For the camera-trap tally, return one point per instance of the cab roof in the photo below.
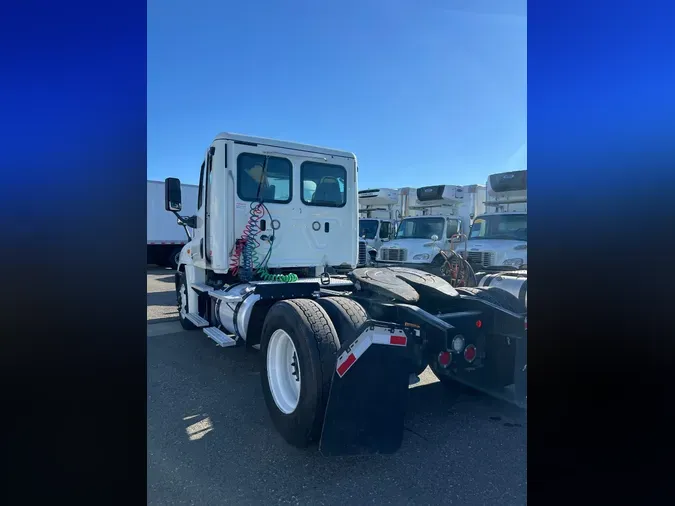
(284, 144)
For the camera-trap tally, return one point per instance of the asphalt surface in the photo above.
(161, 294)
(211, 442)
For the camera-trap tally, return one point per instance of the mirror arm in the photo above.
(182, 220)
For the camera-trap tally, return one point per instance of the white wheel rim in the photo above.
(176, 258)
(283, 371)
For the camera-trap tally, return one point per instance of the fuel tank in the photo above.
(235, 316)
(514, 282)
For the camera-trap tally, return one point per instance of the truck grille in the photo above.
(482, 258)
(362, 253)
(394, 254)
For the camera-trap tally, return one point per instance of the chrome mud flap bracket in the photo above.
(369, 392)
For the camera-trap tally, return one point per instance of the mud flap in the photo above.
(369, 393)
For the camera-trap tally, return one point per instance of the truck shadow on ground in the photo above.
(205, 408)
(156, 269)
(167, 279)
(436, 400)
(161, 299)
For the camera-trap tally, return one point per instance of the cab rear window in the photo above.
(266, 178)
(323, 184)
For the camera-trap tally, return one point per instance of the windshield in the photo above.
(500, 226)
(420, 228)
(367, 228)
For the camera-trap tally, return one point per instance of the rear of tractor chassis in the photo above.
(351, 393)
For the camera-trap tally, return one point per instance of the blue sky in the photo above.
(424, 92)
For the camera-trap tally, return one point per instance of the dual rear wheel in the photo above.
(299, 344)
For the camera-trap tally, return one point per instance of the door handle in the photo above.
(201, 248)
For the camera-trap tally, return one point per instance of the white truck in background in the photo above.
(444, 210)
(381, 210)
(498, 237)
(165, 237)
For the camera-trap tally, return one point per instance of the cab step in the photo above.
(220, 337)
(201, 287)
(197, 320)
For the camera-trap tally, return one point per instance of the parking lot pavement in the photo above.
(210, 440)
(161, 294)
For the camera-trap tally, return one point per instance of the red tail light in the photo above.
(470, 353)
(444, 358)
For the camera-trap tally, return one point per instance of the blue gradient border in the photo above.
(73, 130)
(601, 126)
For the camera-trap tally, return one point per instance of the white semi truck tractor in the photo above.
(337, 352)
(497, 247)
(379, 209)
(498, 237)
(445, 220)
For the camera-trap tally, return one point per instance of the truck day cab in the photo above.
(337, 353)
(448, 210)
(379, 209)
(498, 238)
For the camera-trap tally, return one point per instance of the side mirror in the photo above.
(434, 238)
(172, 195)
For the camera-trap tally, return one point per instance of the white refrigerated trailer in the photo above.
(165, 237)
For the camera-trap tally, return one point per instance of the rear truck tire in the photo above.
(347, 316)
(173, 258)
(298, 347)
(182, 301)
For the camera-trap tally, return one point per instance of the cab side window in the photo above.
(323, 184)
(264, 178)
(200, 195)
(385, 230)
(452, 228)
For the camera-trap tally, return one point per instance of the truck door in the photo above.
(197, 248)
(453, 226)
(332, 206)
(385, 233)
(208, 203)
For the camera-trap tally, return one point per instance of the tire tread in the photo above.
(324, 340)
